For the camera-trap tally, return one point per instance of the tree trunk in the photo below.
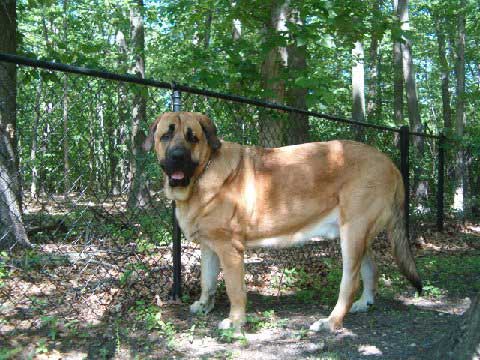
(138, 196)
(296, 96)
(444, 72)
(271, 129)
(358, 84)
(373, 84)
(461, 191)
(34, 149)
(373, 102)
(12, 230)
(464, 341)
(208, 29)
(398, 78)
(420, 186)
(118, 161)
(66, 163)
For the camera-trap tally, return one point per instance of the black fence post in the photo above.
(405, 169)
(177, 235)
(441, 182)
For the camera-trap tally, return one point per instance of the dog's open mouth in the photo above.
(178, 178)
(178, 175)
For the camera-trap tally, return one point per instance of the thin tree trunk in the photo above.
(91, 150)
(444, 72)
(34, 149)
(374, 67)
(12, 230)
(118, 162)
(358, 84)
(397, 79)
(372, 104)
(461, 191)
(420, 186)
(66, 163)
(42, 176)
(138, 196)
(208, 29)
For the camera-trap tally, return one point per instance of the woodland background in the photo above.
(78, 190)
(379, 62)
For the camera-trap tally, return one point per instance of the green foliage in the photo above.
(267, 320)
(183, 46)
(151, 317)
(4, 270)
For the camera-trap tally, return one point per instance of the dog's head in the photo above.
(183, 142)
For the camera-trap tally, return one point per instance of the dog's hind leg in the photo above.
(210, 268)
(352, 241)
(368, 271)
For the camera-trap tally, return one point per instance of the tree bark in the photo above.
(66, 163)
(461, 191)
(118, 162)
(464, 341)
(273, 83)
(373, 84)
(420, 186)
(296, 96)
(138, 196)
(34, 149)
(398, 78)
(12, 230)
(444, 72)
(373, 95)
(358, 85)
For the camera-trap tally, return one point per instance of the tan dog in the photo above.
(230, 197)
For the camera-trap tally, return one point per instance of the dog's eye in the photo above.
(191, 136)
(166, 136)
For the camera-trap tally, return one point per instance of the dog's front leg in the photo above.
(210, 268)
(231, 258)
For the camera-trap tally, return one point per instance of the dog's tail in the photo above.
(399, 240)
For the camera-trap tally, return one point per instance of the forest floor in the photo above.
(65, 302)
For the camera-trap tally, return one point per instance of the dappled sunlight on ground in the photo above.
(72, 301)
(442, 305)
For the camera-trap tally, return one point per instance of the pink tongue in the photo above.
(178, 175)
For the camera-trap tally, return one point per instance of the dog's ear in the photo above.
(148, 143)
(210, 132)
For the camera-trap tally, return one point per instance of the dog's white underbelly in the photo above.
(327, 227)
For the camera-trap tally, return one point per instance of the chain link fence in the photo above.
(101, 245)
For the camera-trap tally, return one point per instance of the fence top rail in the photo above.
(55, 66)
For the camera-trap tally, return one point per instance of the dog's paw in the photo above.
(199, 307)
(360, 306)
(225, 324)
(320, 325)
(325, 324)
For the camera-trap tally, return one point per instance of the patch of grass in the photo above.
(6, 354)
(50, 323)
(452, 272)
(442, 274)
(226, 335)
(309, 287)
(151, 316)
(4, 270)
(267, 320)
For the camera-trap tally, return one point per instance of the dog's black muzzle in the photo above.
(179, 166)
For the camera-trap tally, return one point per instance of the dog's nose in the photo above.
(178, 153)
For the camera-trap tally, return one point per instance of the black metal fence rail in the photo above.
(177, 89)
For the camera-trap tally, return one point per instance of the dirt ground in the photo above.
(70, 302)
